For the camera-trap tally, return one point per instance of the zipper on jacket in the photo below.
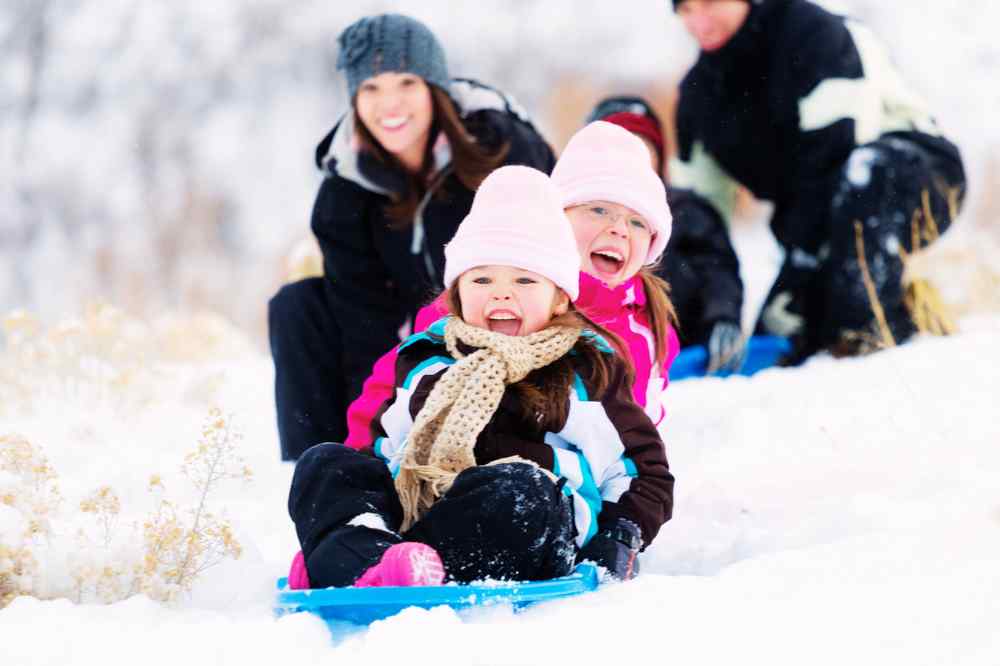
(417, 244)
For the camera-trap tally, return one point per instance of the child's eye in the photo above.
(408, 81)
(639, 224)
(600, 211)
(526, 280)
(481, 280)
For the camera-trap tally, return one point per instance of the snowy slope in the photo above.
(844, 512)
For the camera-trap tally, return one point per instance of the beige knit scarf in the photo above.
(441, 442)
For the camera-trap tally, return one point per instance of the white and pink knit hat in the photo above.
(517, 220)
(605, 162)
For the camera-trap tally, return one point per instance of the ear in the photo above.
(561, 304)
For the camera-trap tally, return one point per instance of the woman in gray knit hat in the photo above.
(401, 167)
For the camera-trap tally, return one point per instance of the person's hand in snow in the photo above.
(727, 349)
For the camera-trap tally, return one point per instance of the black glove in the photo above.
(727, 348)
(616, 549)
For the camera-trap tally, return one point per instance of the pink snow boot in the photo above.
(298, 577)
(405, 564)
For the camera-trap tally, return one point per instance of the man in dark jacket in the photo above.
(804, 108)
(699, 262)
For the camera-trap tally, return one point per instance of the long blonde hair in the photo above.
(660, 310)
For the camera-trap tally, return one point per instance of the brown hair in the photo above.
(660, 308)
(543, 396)
(470, 160)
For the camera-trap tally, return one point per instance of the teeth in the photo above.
(611, 254)
(502, 317)
(393, 123)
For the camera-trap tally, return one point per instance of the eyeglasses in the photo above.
(598, 213)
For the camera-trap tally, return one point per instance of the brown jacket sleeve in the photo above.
(640, 487)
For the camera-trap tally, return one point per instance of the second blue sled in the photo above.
(763, 351)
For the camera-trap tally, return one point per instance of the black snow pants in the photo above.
(507, 521)
(881, 185)
(310, 390)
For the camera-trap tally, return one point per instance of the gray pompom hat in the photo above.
(390, 43)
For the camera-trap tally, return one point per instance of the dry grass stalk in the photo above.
(883, 326)
(181, 545)
(927, 308)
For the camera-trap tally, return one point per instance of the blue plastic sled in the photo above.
(364, 605)
(763, 351)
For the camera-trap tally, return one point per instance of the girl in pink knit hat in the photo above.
(511, 446)
(617, 206)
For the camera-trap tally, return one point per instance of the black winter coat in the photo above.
(701, 267)
(780, 107)
(379, 275)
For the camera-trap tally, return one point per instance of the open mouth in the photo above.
(503, 322)
(608, 262)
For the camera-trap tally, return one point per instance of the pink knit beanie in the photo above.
(517, 220)
(608, 163)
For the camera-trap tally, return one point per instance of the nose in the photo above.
(619, 226)
(500, 292)
(390, 100)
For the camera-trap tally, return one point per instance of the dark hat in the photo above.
(390, 43)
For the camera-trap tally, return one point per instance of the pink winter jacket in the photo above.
(621, 310)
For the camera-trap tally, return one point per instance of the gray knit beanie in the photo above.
(390, 43)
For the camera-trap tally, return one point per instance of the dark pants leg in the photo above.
(507, 521)
(333, 485)
(309, 389)
(881, 186)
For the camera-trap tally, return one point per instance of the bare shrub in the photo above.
(105, 357)
(162, 555)
(29, 498)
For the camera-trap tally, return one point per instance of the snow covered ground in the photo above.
(843, 512)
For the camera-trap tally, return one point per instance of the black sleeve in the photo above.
(368, 313)
(701, 238)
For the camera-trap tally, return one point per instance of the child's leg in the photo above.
(346, 513)
(507, 521)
